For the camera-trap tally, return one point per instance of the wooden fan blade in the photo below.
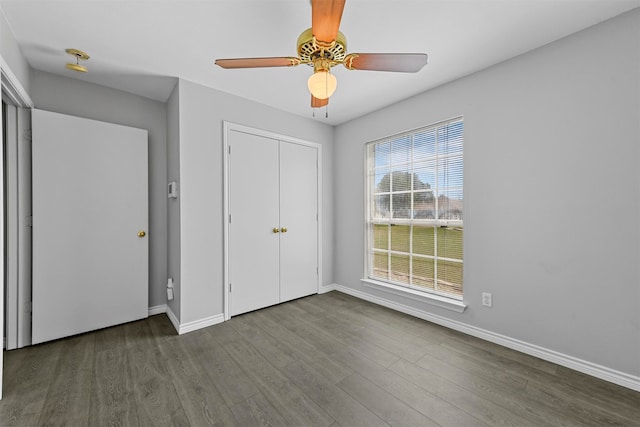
(325, 19)
(276, 61)
(317, 103)
(402, 62)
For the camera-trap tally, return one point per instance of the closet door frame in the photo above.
(228, 127)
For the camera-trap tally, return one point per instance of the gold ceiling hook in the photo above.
(79, 55)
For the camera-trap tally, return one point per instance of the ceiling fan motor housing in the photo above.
(311, 50)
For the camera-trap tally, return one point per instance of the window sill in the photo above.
(437, 300)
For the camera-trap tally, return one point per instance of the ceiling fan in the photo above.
(323, 46)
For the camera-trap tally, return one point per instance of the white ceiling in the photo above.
(142, 46)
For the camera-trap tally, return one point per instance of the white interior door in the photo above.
(253, 208)
(299, 216)
(90, 207)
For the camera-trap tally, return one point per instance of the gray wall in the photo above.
(202, 111)
(69, 96)
(552, 193)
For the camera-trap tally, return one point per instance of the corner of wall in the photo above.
(12, 61)
(173, 205)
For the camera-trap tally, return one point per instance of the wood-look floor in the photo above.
(325, 360)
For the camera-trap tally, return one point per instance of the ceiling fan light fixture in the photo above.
(322, 84)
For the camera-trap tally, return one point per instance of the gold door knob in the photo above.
(276, 230)
(141, 233)
(283, 229)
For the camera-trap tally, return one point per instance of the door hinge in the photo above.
(229, 287)
(229, 150)
(28, 221)
(317, 271)
(28, 307)
(26, 135)
(229, 218)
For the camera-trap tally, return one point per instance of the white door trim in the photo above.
(11, 227)
(227, 128)
(18, 231)
(24, 227)
(16, 93)
(13, 88)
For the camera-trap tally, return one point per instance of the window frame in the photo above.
(416, 292)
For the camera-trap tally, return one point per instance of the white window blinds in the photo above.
(415, 209)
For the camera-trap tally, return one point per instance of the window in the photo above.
(415, 209)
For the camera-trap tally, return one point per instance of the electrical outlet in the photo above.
(487, 299)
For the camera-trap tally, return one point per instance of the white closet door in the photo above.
(90, 203)
(253, 206)
(298, 214)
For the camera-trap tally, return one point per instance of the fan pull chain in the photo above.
(326, 91)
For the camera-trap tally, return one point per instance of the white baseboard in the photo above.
(185, 327)
(326, 288)
(586, 367)
(158, 309)
(199, 324)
